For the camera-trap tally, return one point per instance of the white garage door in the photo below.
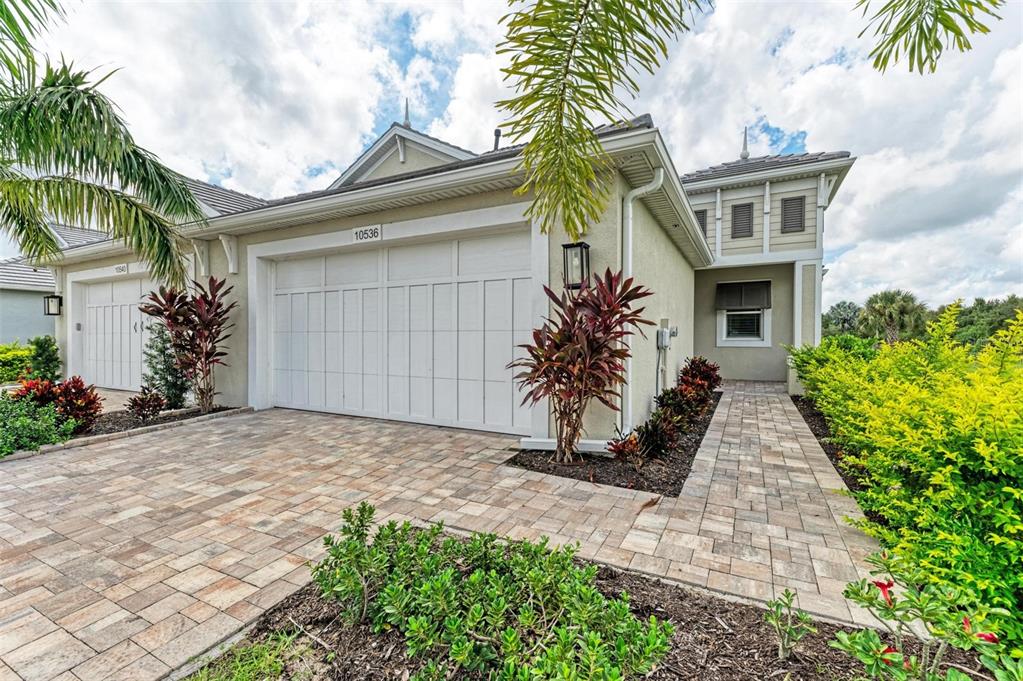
(115, 333)
(417, 333)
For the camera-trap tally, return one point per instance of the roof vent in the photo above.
(497, 138)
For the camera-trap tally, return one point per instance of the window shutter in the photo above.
(793, 214)
(701, 219)
(742, 220)
(747, 295)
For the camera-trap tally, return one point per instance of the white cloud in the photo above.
(255, 95)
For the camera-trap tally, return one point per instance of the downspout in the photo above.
(631, 196)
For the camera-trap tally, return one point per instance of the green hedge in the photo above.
(934, 430)
(26, 425)
(14, 358)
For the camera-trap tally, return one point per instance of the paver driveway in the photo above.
(125, 559)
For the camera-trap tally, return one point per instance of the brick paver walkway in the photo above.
(125, 559)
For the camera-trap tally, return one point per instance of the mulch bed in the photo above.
(715, 639)
(662, 476)
(121, 420)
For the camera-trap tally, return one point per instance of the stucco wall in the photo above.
(762, 364)
(21, 316)
(660, 266)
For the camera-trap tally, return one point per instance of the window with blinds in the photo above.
(742, 220)
(701, 219)
(744, 295)
(744, 325)
(793, 214)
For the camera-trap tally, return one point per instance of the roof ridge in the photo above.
(429, 136)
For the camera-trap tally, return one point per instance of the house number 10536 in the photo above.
(374, 233)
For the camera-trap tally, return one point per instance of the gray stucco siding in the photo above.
(21, 316)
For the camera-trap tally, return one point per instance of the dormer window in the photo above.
(701, 219)
(793, 214)
(742, 220)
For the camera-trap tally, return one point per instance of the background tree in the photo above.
(840, 318)
(981, 320)
(892, 314)
(573, 61)
(67, 156)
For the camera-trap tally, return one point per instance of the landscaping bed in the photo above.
(664, 475)
(121, 420)
(714, 640)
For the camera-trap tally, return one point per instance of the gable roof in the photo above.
(383, 146)
(17, 274)
(761, 163)
(69, 237)
(220, 200)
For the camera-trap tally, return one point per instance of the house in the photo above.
(23, 285)
(402, 290)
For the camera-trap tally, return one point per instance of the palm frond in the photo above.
(20, 22)
(921, 30)
(573, 61)
(73, 201)
(21, 217)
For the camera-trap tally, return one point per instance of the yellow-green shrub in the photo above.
(14, 359)
(935, 433)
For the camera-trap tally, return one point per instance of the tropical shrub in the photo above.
(660, 434)
(146, 405)
(511, 611)
(26, 425)
(162, 370)
(809, 359)
(72, 399)
(933, 430)
(14, 360)
(902, 602)
(700, 370)
(198, 324)
(579, 354)
(45, 361)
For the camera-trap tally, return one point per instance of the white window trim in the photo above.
(724, 342)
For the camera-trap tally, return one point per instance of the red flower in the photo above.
(885, 588)
(987, 636)
(887, 651)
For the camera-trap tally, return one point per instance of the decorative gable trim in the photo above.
(395, 140)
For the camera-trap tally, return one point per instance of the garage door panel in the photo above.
(429, 351)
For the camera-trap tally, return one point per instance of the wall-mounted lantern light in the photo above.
(577, 264)
(52, 305)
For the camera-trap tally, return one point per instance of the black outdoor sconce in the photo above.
(577, 264)
(52, 305)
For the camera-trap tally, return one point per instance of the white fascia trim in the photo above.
(677, 195)
(773, 258)
(396, 131)
(313, 209)
(840, 166)
(548, 444)
(724, 342)
(26, 287)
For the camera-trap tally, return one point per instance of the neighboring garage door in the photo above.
(417, 333)
(115, 333)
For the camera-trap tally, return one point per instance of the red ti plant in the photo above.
(579, 354)
(198, 324)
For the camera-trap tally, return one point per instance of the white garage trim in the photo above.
(262, 274)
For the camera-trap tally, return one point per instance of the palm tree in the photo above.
(892, 314)
(575, 60)
(67, 156)
(841, 318)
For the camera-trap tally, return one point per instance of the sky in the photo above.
(278, 98)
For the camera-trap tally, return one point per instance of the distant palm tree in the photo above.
(892, 314)
(841, 318)
(66, 156)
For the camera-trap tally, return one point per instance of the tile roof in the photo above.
(223, 201)
(77, 236)
(753, 165)
(15, 273)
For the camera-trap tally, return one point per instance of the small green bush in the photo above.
(162, 370)
(27, 425)
(514, 611)
(934, 432)
(14, 360)
(45, 358)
